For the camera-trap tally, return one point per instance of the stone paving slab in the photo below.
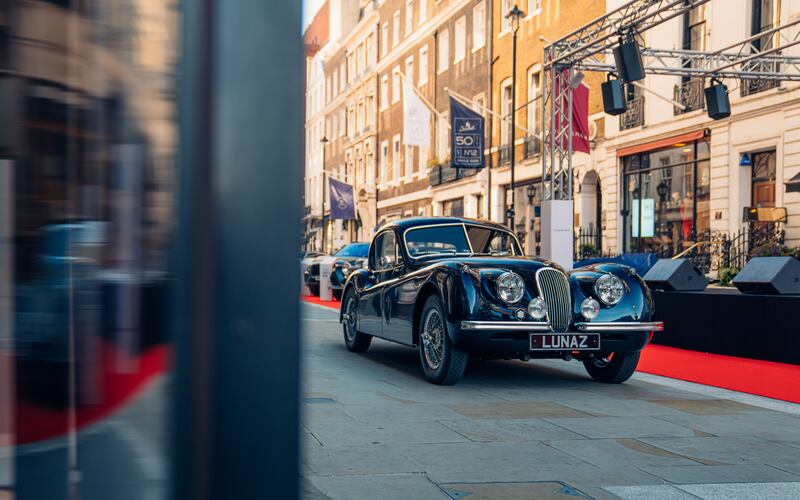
(744, 491)
(650, 492)
(706, 406)
(357, 460)
(350, 433)
(621, 427)
(514, 491)
(489, 431)
(495, 411)
(620, 453)
(721, 474)
(729, 449)
(380, 487)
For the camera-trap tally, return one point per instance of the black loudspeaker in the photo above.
(717, 102)
(628, 59)
(675, 275)
(770, 276)
(613, 97)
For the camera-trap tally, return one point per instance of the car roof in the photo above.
(412, 222)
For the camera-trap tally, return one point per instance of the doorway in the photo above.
(763, 176)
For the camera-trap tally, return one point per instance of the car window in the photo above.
(353, 250)
(492, 241)
(385, 252)
(437, 240)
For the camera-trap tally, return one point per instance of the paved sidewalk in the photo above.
(373, 428)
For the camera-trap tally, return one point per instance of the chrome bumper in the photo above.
(544, 326)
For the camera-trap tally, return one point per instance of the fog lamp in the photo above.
(537, 308)
(590, 309)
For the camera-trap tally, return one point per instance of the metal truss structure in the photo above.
(590, 47)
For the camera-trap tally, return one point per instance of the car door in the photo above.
(369, 305)
(399, 295)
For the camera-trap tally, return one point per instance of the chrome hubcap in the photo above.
(350, 318)
(432, 337)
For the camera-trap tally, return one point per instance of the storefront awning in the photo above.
(661, 143)
(793, 184)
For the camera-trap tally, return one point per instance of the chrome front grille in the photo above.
(554, 289)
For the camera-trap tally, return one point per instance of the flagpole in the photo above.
(422, 98)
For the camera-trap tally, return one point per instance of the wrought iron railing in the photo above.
(589, 244)
(754, 86)
(691, 95)
(533, 146)
(713, 251)
(444, 173)
(634, 116)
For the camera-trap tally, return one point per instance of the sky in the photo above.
(310, 7)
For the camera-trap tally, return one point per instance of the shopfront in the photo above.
(666, 194)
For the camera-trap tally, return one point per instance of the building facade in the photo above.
(669, 174)
(658, 178)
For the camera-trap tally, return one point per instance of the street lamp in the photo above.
(514, 15)
(531, 192)
(324, 141)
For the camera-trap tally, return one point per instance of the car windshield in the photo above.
(437, 240)
(354, 250)
(489, 241)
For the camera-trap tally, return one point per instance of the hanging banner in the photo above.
(466, 136)
(341, 200)
(580, 115)
(416, 119)
(580, 119)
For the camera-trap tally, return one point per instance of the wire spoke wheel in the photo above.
(433, 338)
(350, 317)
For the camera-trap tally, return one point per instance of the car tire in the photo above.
(443, 363)
(314, 289)
(619, 368)
(354, 340)
(337, 294)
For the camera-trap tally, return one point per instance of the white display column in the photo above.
(325, 269)
(557, 232)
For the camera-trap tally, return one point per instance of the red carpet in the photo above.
(762, 378)
(313, 299)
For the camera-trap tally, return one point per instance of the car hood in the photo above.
(520, 265)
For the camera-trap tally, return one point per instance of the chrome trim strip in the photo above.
(543, 326)
(507, 326)
(654, 326)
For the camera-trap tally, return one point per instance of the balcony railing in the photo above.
(691, 94)
(750, 86)
(634, 116)
(444, 173)
(504, 153)
(533, 146)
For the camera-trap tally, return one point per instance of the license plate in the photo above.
(565, 342)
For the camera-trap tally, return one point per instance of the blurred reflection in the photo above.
(87, 152)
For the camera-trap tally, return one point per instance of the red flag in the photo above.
(580, 119)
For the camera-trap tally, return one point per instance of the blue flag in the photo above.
(466, 136)
(341, 196)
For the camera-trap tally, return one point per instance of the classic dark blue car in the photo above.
(457, 288)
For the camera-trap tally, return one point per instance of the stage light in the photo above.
(628, 58)
(717, 101)
(613, 97)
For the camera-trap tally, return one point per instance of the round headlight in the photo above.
(510, 288)
(609, 289)
(590, 308)
(537, 308)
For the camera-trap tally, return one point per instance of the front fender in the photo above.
(356, 280)
(636, 305)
